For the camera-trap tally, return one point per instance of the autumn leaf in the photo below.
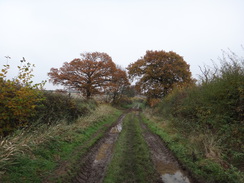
(94, 73)
(158, 72)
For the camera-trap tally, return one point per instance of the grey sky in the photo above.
(50, 32)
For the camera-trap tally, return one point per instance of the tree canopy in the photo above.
(93, 73)
(158, 72)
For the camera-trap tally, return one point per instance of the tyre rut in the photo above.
(164, 161)
(167, 169)
(93, 165)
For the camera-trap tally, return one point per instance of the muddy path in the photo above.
(93, 165)
(164, 161)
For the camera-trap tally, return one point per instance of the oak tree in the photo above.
(158, 72)
(119, 83)
(93, 73)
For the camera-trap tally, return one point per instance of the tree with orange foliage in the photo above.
(119, 83)
(158, 72)
(95, 73)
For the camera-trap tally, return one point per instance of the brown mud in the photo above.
(164, 161)
(93, 165)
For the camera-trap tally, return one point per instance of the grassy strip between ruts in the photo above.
(38, 162)
(202, 168)
(131, 160)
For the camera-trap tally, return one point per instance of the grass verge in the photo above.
(49, 154)
(131, 160)
(202, 167)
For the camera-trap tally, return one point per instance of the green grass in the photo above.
(205, 122)
(200, 166)
(214, 107)
(66, 144)
(29, 170)
(131, 160)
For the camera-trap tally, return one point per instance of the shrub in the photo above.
(215, 105)
(57, 106)
(18, 98)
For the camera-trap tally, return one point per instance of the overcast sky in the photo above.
(50, 32)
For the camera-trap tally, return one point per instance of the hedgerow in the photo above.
(18, 98)
(214, 106)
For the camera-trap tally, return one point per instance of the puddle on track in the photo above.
(170, 173)
(164, 162)
(107, 145)
(177, 177)
(117, 128)
(95, 163)
(105, 149)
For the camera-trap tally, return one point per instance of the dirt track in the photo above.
(94, 164)
(164, 161)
